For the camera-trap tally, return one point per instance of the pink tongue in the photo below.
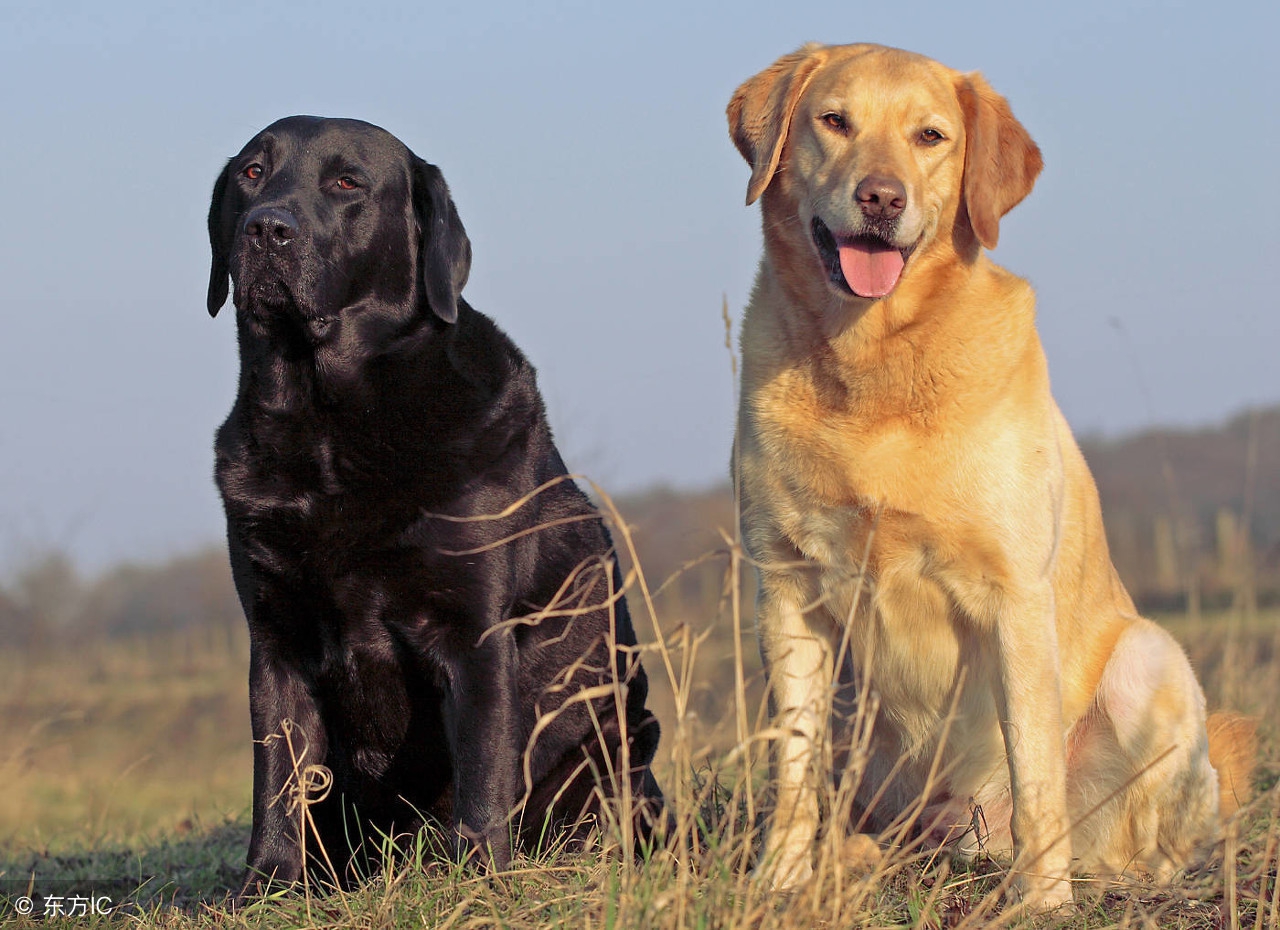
(870, 269)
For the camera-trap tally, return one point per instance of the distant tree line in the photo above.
(1193, 516)
(49, 605)
(1193, 521)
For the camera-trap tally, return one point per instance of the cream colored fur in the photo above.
(905, 453)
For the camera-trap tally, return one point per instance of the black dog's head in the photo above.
(318, 221)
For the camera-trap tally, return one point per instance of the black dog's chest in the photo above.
(304, 498)
(344, 536)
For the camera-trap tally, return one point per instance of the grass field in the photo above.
(126, 773)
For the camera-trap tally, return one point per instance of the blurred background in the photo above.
(587, 151)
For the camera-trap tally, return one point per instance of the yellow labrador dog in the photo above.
(923, 520)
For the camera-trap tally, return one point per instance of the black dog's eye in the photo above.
(253, 172)
(930, 136)
(348, 183)
(835, 121)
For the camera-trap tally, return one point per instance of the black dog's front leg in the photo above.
(281, 753)
(484, 736)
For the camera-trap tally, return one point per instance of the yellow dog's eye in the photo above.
(931, 136)
(835, 121)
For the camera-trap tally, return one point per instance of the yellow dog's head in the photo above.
(873, 161)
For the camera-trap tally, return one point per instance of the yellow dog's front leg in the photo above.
(798, 655)
(1028, 693)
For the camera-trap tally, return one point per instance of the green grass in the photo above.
(127, 769)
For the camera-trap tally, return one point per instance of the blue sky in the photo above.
(587, 151)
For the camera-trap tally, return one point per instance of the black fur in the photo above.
(377, 415)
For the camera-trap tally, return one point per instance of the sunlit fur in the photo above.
(921, 511)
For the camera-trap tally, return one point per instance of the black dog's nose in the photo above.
(880, 196)
(270, 227)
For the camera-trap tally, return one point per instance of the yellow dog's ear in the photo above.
(1001, 161)
(760, 112)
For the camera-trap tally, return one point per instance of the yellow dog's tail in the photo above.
(1233, 749)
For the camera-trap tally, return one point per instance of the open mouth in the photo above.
(865, 265)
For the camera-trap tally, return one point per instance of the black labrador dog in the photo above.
(435, 609)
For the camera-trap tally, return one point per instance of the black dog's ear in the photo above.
(444, 251)
(220, 243)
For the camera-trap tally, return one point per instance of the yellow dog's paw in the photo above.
(1040, 895)
(860, 854)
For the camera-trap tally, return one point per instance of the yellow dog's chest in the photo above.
(835, 456)
(869, 504)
